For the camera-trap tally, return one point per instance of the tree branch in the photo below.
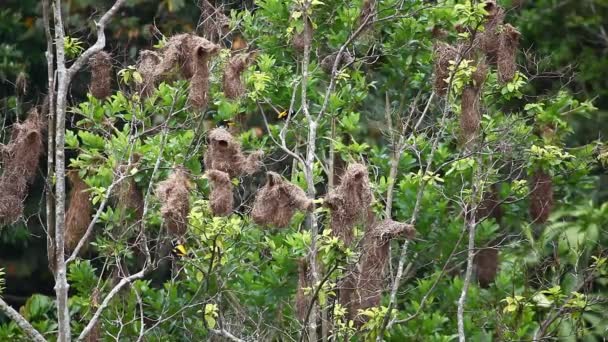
(27, 328)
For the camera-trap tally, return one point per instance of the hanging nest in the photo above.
(78, 215)
(277, 201)
(489, 40)
(224, 154)
(173, 193)
(443, 54)
(507, 53)
(147, 65)
(131, 198)
(490, 205)
(220, 199)
(486, 266)
(199, 83)
(349, 202)
(232, 82)
(368, 13)
(20, 159)
(301, 39)
(184, 50)
(213, 22)
(95, 333)
(21, 84)
(370, 279)
(541, 196)
(470, 115)
(328, 62)
(101, 75)
(304, 281)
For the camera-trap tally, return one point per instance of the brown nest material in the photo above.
(21, 84)
(232, 81)
(20, 159)
(370, 277)
(148, 63)
(277, 201)
(507, 53)
(101, 75)
(328, 62)
(224, 154)
(490, 205)
(349, 202)
(470, 114)
(486, 266)
(95, 333)
(304, 281)
(174, 193)
(199, 83)
(301, 39)
(184, 50)
(368, 12)
(220, 199)
(443, 54)
(489, 40)
(78, 215)
(214, 23)
(131, 198)
(541, 196)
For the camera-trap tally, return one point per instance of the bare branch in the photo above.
(27, 328)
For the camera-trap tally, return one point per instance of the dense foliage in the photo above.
(525, 190)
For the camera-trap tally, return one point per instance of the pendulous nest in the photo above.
(541, 196)
(147, 65)
(129, 196)
(224, 154)
(221, 200)
(101, 75)
(349, 202)
(304, 281)
(80, 210)
(368, 12)
(486, 266)
(199, 83)
(443, 54)
(277, 201)
(489, 40)
(490, 205)
(20, 159)
(507, 53)
(232, 81)
(214, 23)
(328, 62)
(173, 194)
(370, 276)
(470, 114)
(301, 39)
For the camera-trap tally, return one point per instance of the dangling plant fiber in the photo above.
(199, 83)
(368, 12)
(304, 282)
(328, 62)
(101, 75)
(224, 154)
(20, 159)
(301, 39)
(174, 193)
(277, 201)
(349, 202)
(214, 24)
(221, 200)
(507, 53)
(78, 215)
(489, 39)
(541, 196)
(370, 280)
(182, 50)
(232, 82)
(443, 54)
(490, 205)
(486, 266)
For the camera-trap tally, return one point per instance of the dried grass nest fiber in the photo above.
(20, 159)
(173, 193)
(101, 75)
(277, 201)
(486, 266)
(507, 53)
(370, 274)
(304, 281)
(78, 215)
(470, 114)
(224, 154)
(221, 200)
(349, 202)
